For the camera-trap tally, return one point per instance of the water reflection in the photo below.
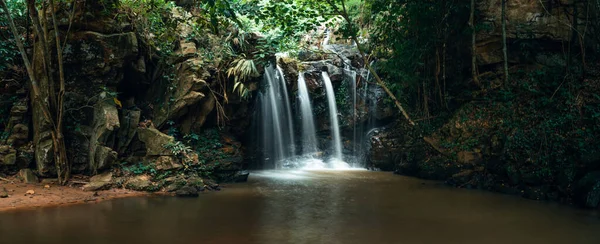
(310, 207)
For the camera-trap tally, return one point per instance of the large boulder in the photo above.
(27, 176)
(155, 141)
(140, 183)
(106, 121)
(8, 155)
(587, 190)
(99, 182)
(187, 191)
(129, 123)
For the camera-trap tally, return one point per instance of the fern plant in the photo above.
(242, 70)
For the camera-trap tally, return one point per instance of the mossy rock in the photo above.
(587, 192)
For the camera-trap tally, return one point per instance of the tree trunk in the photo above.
(38, 96)
(504, 46)
(62, 155)
(473, 45)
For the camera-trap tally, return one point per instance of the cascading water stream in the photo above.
(309, 133)
(325, 43)
(277, 128)
(333, 118)
(286, 100)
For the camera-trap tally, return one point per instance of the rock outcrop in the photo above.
(547, 23)
(130, 108)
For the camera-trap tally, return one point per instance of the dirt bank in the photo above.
(50, 194)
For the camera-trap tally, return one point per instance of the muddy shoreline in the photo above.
(22, 196)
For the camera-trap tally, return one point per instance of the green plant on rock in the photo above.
(178, 148)
(139, 168)
(9, 54)
(242, 70)
(154, 20)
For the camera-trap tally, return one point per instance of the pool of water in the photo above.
(310, 207)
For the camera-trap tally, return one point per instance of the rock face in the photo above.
(95, 59)
(126, 107)
(15, 150)
(527, 20)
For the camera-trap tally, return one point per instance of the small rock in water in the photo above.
(241, 176)
(187, 191)
(47, 186)
(211, 185)
(3, 193)
(30, 192)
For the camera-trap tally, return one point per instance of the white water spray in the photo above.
(333, 117)
(309, 133)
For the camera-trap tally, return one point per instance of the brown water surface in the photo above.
(277, 207)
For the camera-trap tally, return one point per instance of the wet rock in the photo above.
(3, 193)
(196, 182)
(8, 155)
(106, 121)
(25, 157)
(241, 176)
(10, 158)
(198, 115)
(139, 183)
(211, 185)
(19, 135)
(174, 183)
(129, 121)
(461, 177)
(472, 158)
(172, 187)
(386, 149)
(99, 182)
(587, 192)
(309, 56)
(187, 191)
(104, 157)
(27, 176)
(155, 141)
(166, 163)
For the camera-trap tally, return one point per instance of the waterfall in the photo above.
(286, 100)
(309, 138)
(277, 128)
(333, 117)
(326, 40)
